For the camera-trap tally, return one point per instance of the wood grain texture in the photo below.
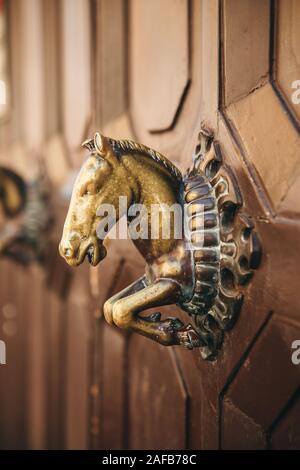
(174, 143)
(161, 395)
(287, 54)
(76, 55)
(76, 363)
(110, 61)
(114, 363)
(56, 160)
(159, 60)
(261, 123)
(51, 23)
(246, 51)
(239, 431)
(12, 384)
(113, 390)
(272, 389)
(32, 84)
(286, 435)
(71, 380)
(36, 360)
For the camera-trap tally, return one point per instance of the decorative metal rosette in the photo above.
(226, 248)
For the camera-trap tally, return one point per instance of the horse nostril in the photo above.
(68, 252)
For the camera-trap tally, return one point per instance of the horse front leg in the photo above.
(136, 286)
(171, 331)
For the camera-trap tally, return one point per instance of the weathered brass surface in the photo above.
(231, 250)
(25, 237)
(205, 282)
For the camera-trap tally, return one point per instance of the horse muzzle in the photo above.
(75, 255)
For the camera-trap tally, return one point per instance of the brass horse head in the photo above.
(125, 168)
(112, 170)
(97, 183)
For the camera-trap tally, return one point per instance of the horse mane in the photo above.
(121, 147)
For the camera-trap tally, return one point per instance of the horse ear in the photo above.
(99, 141)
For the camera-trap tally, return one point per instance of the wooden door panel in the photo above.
(258, 124)
(262, 388)
(159, 59)
(286, 434)
(193, 384)
(110, 60)
(12, 332)
(258, 135)
(107, 358)
(159, 71)
(241, 105)
(113, 390)
(164, 73)
(287, 51)
(250, 102)
(158, 398)
(114, 365)
(242, 43)
(283, 242)
(239, 431)
(114, 357)
(55, 325)
(76, 362)
(37, 313)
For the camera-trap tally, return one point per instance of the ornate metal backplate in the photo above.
(229, 248)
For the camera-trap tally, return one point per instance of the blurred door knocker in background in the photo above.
(206, 282)
(25, 237)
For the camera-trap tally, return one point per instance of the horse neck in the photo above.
(153, 184)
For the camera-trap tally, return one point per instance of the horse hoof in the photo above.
(184, 340)
(188, 338)
(174, 324)
(153, 318)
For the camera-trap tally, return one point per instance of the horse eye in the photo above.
(90, 190)
(86, 192)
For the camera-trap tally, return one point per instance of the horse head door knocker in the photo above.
(202, 270)
(13, 196)
(25, 237)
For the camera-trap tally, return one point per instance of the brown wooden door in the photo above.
(155, 71)
(229, 65)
